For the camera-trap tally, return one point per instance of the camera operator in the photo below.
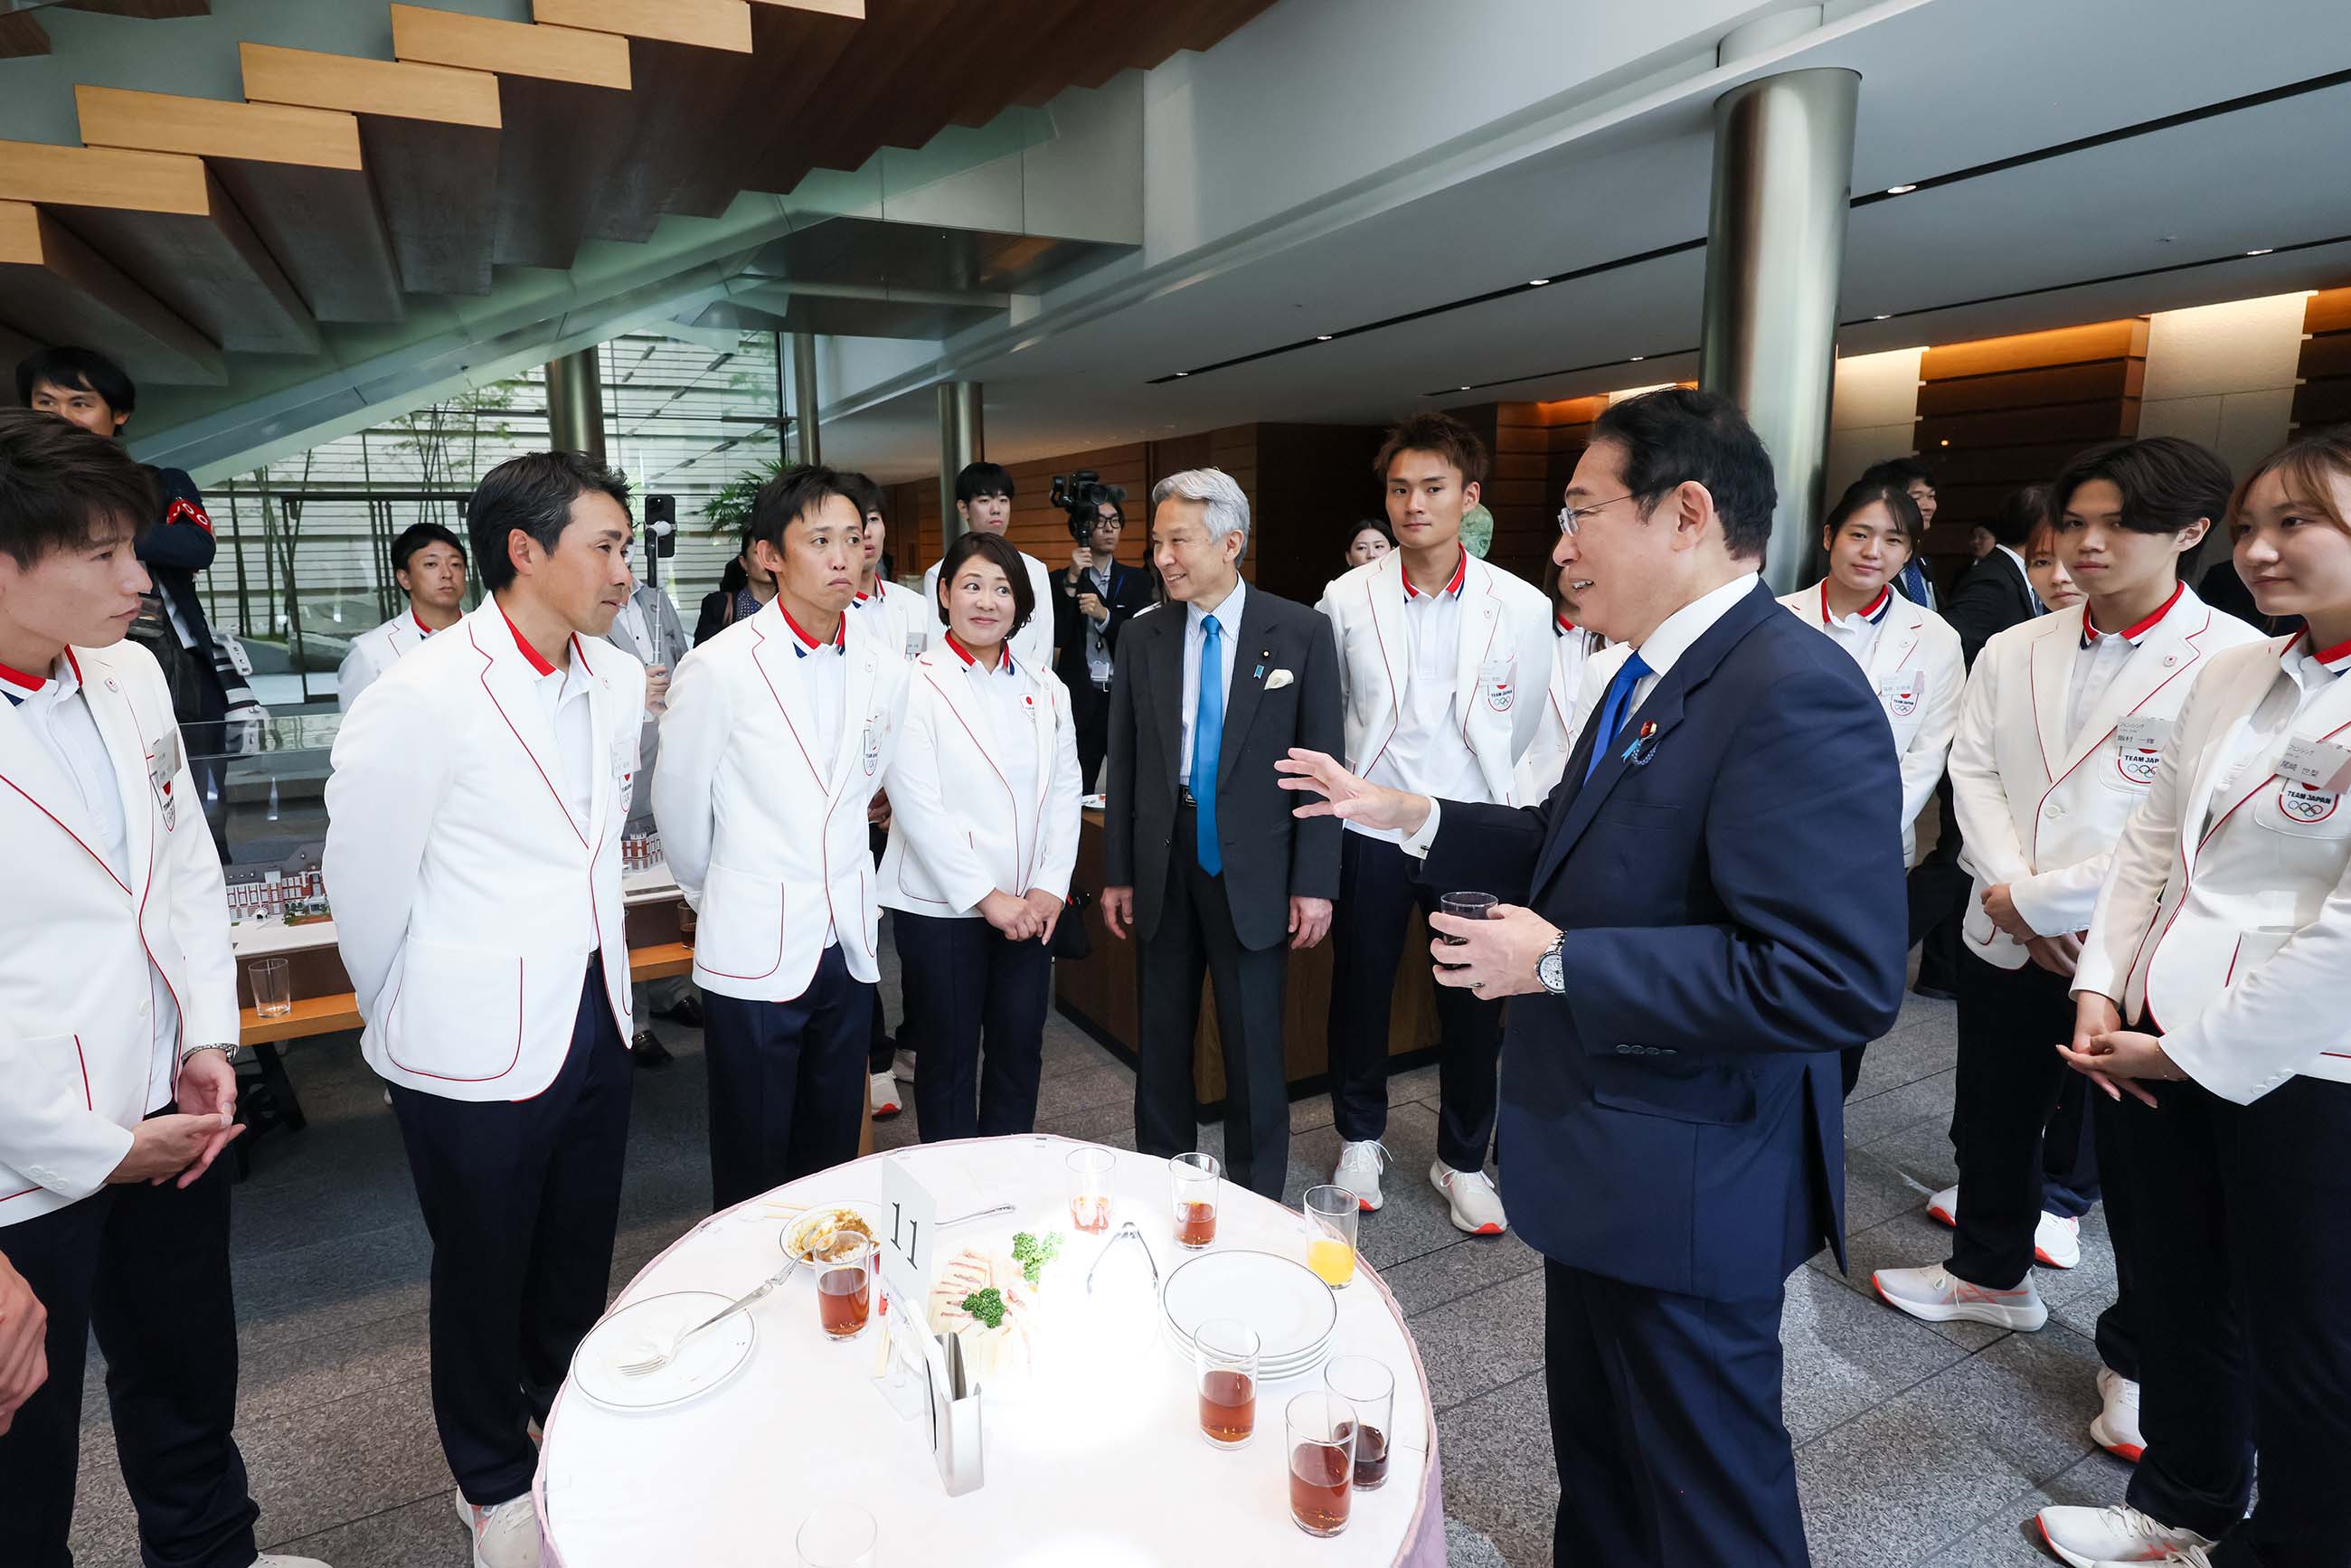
(1092, 600)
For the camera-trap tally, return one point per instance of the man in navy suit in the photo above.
(1705, 911)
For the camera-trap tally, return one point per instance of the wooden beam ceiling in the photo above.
(55, 289)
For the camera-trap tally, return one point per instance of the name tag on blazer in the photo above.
(1900, 693)
(2317, 764)
(628, 754)
(1495, 684)
(2139, 732)
(162, 766)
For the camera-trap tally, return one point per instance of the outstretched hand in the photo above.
(1345, 796)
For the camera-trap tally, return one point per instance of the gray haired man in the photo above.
(1204, 860)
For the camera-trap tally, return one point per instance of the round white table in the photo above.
(1106, 1471)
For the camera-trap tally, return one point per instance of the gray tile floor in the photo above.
(1916, 1444)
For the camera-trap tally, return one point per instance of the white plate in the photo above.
(1267, 1371)
(642, 1329)
(1293, 1311)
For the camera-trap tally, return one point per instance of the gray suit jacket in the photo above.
(670, 644)
(1268, 854)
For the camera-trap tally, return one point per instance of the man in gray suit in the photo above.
(648, 627)
(1204, 860)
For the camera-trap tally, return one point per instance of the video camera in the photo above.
(1081, 496)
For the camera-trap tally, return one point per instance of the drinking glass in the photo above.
(1332, 1213)
(1088, 1194)
(1321, 1437)
(1225, 1356)
(836, 1535)
(1370, 1387)
(845, 1291)
(1194, 1181)
(1467, 906)
(273, 988)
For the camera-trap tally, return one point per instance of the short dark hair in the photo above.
(1677, 435)
(415, 537)
(997, 549)
(869, 497)
(60, 487)
(1378, 526)
(2166, 484)
(1893, 493)
(798, 493)
(1430, 431)
(532, 493)
(1900, 472)
(2025, 510)
(979, 479)
(86, 369)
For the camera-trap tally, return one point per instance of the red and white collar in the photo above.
(2136, 630)
(538, 666)
(1460, 575)
(421, 629)
(20, 686)
(2334, 661)
(1003, 655)
(806, 643)
(1562, 627)
(1874, 612)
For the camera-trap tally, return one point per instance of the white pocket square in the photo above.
(1279, 679)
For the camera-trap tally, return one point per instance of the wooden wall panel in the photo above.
(2325, 396)
(1314, 484)
(1535, 447)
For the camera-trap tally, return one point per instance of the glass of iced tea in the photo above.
(1193, 1182)
(1332, 1213)
(1322, 1437)
(844, 1290)
(1370, 1387)
(1089, 1190)
(1466, 906)
(1224, 1355)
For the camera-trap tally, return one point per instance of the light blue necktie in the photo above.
(1614, 708)
(1209, 741)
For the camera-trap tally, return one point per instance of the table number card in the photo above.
(910, 1212)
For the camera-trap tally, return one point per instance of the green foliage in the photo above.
(1033, 1253)
(985, 1307)
(727, 511)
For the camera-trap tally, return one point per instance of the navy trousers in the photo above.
(787, 1080)
(147, 1268)
(978, 1001)
(1665, 1425)
(522, 1199)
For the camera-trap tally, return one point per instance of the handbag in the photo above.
(1069, 939)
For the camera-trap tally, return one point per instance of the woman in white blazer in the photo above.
(1910, 654)
(1544, 761)
(983, 833)
(2063, 723)
(2212, 988)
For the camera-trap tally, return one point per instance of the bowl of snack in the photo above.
(831, 1230)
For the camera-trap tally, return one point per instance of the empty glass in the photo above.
(1088, 1194)
(836, 1535)
(1192, 1184)
(273, 988)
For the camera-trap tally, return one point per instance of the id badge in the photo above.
(627, 755)
(915, 642)
(2140, 732)
(2317, 764)
(161, 769)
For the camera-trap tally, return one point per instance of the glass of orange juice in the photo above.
(1331, 1216)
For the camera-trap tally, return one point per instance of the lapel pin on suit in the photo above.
(1644, 747)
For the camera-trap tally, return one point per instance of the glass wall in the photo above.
(304, 564)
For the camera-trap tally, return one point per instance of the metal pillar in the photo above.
(805, 448)
(961, 441)
(575, 404)
(1775, 250)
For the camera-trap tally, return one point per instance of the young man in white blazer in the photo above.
(1910, 654)
(1443, 665)
(428, 562)
(2063, 723)
(984, 502)
(780, 731)
(473, 854)
(118, 1008)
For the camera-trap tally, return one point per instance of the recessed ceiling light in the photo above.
(2263, 251)
(1899, 190)
(1321, 337)
(1946, 441)
(1181, 373)
(1465, 389)
(1636, 359)
(1887, 315)
(1537, 282)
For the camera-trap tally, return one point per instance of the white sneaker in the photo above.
(506, 1535)
(881, 1095)
(2094, 1537)
(1938, 1296)
(902, 1064)
(1477, 1206)
(2057, 1240)
(278, 1560)
(1360, 1163)
(2114, 1427)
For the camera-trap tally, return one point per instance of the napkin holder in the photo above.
(957, 1439)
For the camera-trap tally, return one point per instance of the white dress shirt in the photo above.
(1229, 634)
(1428, 754)
(563, 696)
(1661, 651)
(58, 715)
(2103, 655)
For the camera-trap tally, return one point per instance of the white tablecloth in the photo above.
(1112, 1477)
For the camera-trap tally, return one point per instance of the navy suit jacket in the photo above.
(1735, 917)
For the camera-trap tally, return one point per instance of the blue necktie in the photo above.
(1209, 742)
(1614, 708)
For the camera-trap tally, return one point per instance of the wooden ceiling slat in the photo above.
(893, 55)
(429, 135)
(164, 219)
(797, 49)
(985, 93)
(701, 24)
(294, 174)
(1100, 29)
(21, 36)
(572, 55)
(55, 289)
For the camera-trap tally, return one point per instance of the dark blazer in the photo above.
(173, 551)
(1130, 590)
(1734, 917)
(1268, 854)
(1992, 595)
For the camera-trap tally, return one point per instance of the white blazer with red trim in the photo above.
(1545, 757)
(1032, 645)
(76, 1026)
(1502, 661)
(766, 836)
(373, 652)
(449, 843)
(2041, 809)
(2246, 978)
(953, 833)
(1917, 668)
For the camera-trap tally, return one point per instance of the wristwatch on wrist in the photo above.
(227, 1052)
(1551, 968)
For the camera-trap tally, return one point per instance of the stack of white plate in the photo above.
(1293, 1311)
